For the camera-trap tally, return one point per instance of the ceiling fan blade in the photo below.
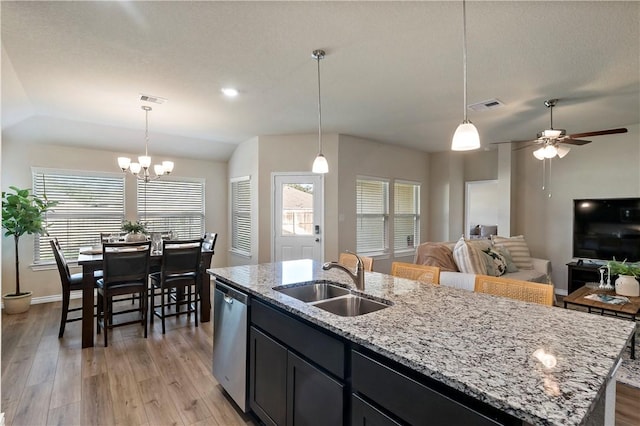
(523, 141)
(598, 133)
(574, 141)
(524, 146)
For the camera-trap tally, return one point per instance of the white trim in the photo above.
(240, 178)
(76, 294)
(47, 170)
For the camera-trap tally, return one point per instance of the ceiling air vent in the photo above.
(486, 105)
(152, 99)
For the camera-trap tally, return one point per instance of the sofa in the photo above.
(460, 261)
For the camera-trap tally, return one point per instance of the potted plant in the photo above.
(626, 283)
(135, 231)
(22, 213)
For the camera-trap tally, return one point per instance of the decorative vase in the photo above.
(627, 285)
(135, 237)
(17, 304)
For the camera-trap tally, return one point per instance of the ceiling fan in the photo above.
(554, 141)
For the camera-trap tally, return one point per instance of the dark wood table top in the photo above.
(578, 298)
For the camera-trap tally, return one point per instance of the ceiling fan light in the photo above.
(552, 133)
(550, 151)
(539, 153)
(563, 150)
(320, 165)
(466, 137)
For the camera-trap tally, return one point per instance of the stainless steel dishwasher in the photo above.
(230, 309)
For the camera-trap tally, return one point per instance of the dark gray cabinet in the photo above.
(365, 414)
(290, 371)
(394, 394)
(267, 378)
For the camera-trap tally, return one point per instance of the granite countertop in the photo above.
(480, 344)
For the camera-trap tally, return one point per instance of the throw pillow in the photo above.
(436, 254)
(498, 263)
(468, 258)
(511, 267)
(518, 248)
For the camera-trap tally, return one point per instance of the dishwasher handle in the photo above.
(230, 294)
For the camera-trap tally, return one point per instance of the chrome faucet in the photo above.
(357, 277)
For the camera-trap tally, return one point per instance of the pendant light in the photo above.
(320, 164)
(466, 136)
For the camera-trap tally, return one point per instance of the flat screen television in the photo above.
(607, 228)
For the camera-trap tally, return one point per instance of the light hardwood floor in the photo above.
(161, 380)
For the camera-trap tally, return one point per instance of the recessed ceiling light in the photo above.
(230, 92)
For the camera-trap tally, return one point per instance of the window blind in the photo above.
(176, 205)
(372, 208)
(241, 215)
(406, 215)
(88, 203)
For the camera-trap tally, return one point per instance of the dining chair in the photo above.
(350, 261)
(70, 282)
(179, 274)
(422, 273)
(515, 289)
(125, 269)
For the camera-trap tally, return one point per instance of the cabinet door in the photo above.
(365, 414)
(313, 397)
(267, 378)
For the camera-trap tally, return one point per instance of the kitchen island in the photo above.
(475, 349)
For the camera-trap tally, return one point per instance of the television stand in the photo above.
(580, 275)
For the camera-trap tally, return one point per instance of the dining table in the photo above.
(90, 259)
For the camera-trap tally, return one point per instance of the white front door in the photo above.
(297, 216)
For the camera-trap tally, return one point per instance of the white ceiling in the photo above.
(72, 72)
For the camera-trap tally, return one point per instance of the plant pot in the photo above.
(17, 304)
(627, 285)
(135, 237)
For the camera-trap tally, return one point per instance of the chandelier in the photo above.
(141, 169)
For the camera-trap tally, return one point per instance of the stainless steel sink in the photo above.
(351, 305)
(313, 291)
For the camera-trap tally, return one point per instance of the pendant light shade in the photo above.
(320, 164)
(466, 136)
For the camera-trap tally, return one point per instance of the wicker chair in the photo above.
(515, 289)
(350, 261)
(422, 273)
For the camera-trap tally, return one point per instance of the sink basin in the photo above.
(314, 291)
(351, 305)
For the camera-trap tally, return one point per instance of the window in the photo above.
(241, 215)
(172, 205)
(88, 203)
(406, 216)
(372, 216)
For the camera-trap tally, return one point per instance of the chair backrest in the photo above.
(422, 273)
(125, 262)
(350, 261)
(181, 257)
(209, 241)
(61, 262)
(515, 289)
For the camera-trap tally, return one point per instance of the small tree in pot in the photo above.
(22, 213)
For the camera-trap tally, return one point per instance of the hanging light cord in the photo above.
(464, 59)
(146, 130)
